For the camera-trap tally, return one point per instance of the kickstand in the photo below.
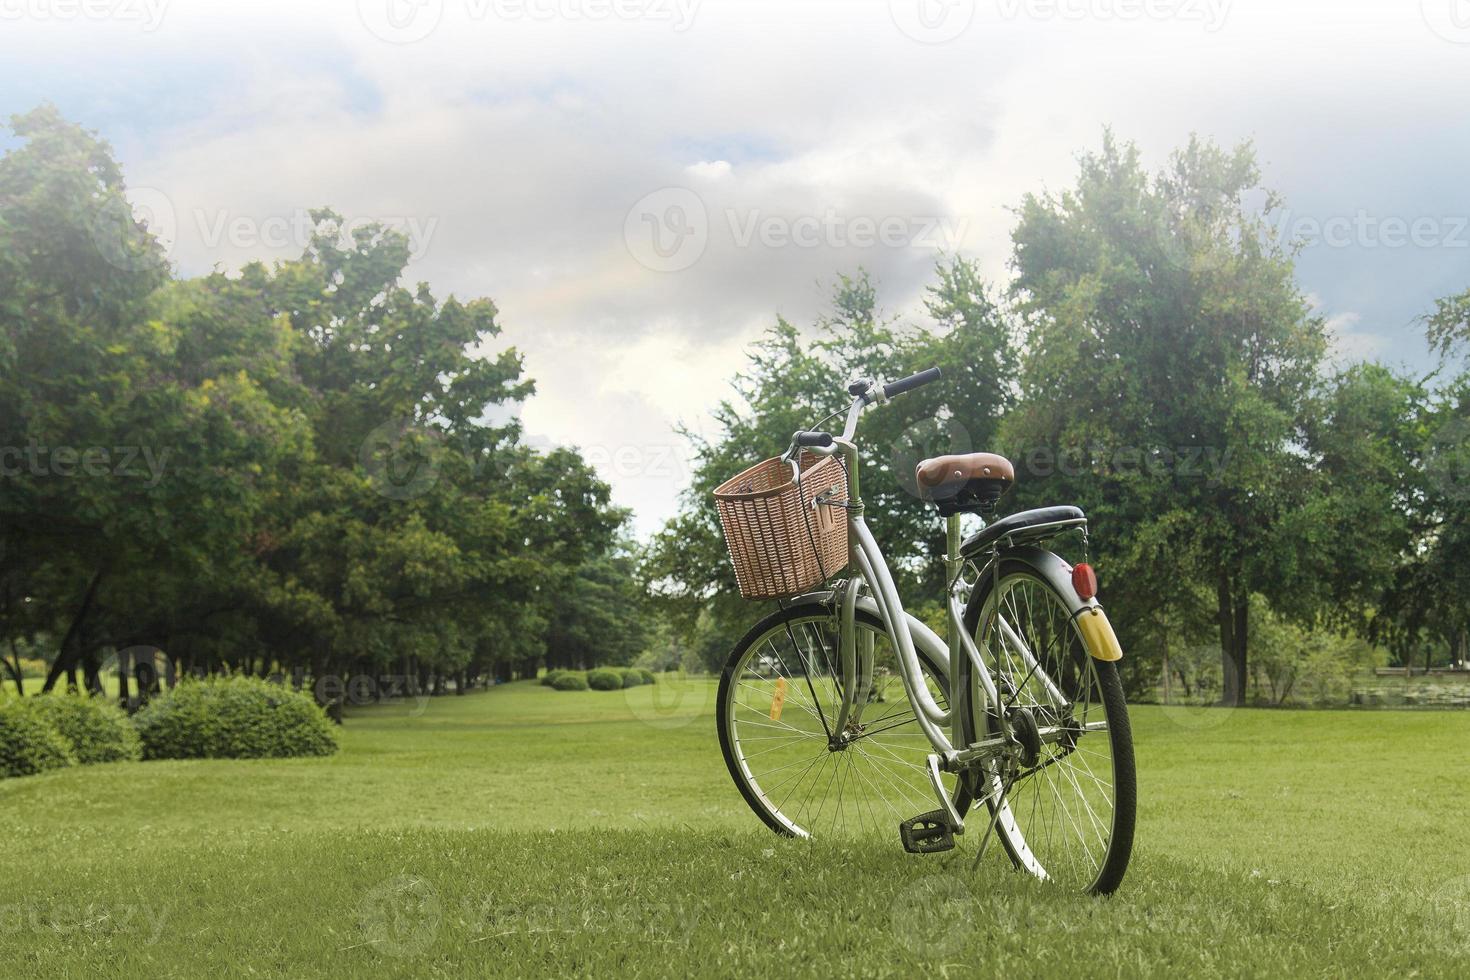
(994, 816)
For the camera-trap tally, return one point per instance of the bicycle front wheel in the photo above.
(1067, 804)
(779, 708)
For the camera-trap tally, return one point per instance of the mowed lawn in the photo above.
(526, 832)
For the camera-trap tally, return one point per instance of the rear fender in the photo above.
(1092, 621)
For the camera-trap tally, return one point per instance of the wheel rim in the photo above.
(1057, 819)
(877, 777)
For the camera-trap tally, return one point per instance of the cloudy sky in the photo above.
(643, 185)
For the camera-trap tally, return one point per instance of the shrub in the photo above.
(28, 742)
(549, 678)
(631, 677)
(570, 681)
(234, 718)
(647, 675)
(604, 679)
(97, 731)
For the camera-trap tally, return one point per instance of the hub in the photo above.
(1027, 735)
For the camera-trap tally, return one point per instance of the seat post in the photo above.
(952, 565)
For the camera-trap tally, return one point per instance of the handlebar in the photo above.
(895, 388)
(863, 395)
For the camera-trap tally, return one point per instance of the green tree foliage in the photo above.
(1172, 358)
(796, 379)
(296, 468)
(601, 617)
(1424, 607)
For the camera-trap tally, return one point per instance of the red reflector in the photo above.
(1084, 580)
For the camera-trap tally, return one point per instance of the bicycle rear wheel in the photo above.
(1067, 806)
(779, 701)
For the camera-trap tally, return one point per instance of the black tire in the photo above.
(728, 680)
(1112, 868)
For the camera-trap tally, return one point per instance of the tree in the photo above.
(794, 380)
(1424, 601)
(600, 618)
(332, 493)
(1170, 356)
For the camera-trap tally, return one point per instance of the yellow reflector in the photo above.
(778, 700)
(1097, 633)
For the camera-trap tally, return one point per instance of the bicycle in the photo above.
(1019, 708)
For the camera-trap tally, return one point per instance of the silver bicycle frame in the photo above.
(865, 556)
(973, 683)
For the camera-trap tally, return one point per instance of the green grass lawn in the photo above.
(522, 831)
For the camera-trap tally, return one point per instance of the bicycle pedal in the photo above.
(928, 833)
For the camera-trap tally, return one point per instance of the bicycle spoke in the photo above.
(808, 782)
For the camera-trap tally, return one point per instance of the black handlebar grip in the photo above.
(813, 439)
(913, 381)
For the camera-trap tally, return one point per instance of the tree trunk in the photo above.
(67, 656)
(124, 662)
(1232, 610)
(92, 675)
(13, 665)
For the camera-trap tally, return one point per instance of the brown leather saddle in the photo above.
(967, 483)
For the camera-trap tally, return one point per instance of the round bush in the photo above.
(603, 679)
(97, 731)
(632, 678)
(234, 718)
(28, 743)
(570, 681)
(549, 678)
(647, 675)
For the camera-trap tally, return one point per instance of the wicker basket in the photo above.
(781, 543)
